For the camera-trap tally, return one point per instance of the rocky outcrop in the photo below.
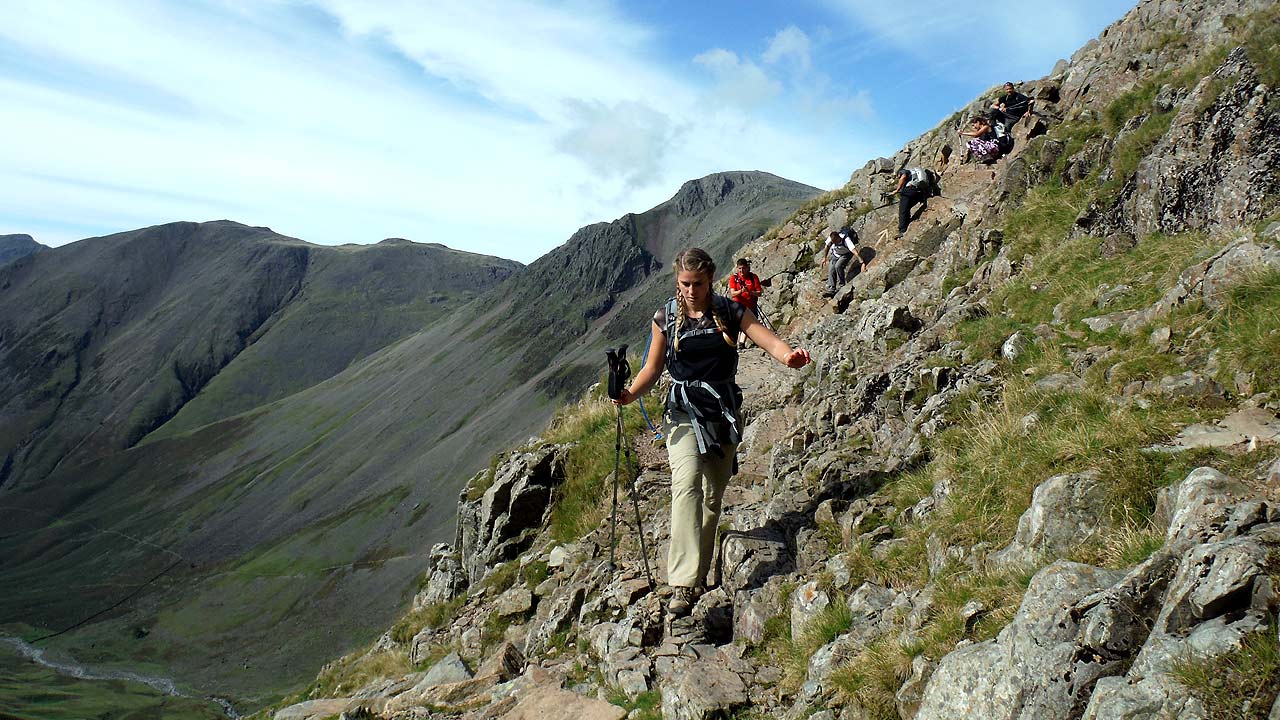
(1092, 643)
(1215, 168)
(505, 519)
(1066, 511)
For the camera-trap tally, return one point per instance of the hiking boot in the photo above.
(828, 293)
(682, 600)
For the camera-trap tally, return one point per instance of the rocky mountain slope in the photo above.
(13, 247)
(234, 525)
(1033, 471)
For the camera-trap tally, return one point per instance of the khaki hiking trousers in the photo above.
(697, 487)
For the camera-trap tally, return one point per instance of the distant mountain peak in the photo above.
(16, 246)
(697, 196)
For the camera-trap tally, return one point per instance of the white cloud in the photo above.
(343, 121)
(790, 43)
(738, 82)
(629, 140)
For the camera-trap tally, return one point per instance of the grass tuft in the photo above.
(1241, 685)
(582, 501)
(433, 616)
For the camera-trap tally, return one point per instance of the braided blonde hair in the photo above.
(696, 260)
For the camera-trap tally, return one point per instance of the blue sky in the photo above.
(487, 125)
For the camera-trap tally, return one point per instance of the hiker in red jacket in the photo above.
(745, 287)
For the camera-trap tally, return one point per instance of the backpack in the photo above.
(722, 307)
(923, 179)
(1005, 143)
(713, 409)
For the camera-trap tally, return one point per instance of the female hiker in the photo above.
(983, 146)
(694, 336)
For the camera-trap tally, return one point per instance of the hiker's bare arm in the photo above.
(651, 371)
(773, 344)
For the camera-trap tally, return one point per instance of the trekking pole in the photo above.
(619, 371)
(613, 515)
(764, 319)
(635, 505)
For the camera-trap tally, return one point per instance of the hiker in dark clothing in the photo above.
(1009, 108)
(915, 187)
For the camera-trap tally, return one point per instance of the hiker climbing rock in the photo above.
(694, 336)
(915, 186)
(1009, 109)
(841, 248)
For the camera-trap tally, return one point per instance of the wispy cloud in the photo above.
(739, 81)
(451, 121)
(629, 140)
(1000, 39)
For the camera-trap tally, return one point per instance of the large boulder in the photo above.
(703, 691)
(444, 577)
(1066, 511)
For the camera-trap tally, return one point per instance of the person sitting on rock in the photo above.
(1009, 108)
(841, 248)
(983, 145)
(694, 336)
(915, 186)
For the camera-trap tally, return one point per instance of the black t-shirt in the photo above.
(1015, 103)
(703, 353)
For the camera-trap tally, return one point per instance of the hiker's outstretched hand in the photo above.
(797, 358)
(624, 398)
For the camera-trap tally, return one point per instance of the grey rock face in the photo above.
(506, 519)
(909, 696)
(806, 602)
(13, 247)
(445, 578)
(1194, 508)
(1066, 511)
(1213, 169)
(1014, 346)
(1029, 670)
(703, 691)
(1234, 266)
(448, 669)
